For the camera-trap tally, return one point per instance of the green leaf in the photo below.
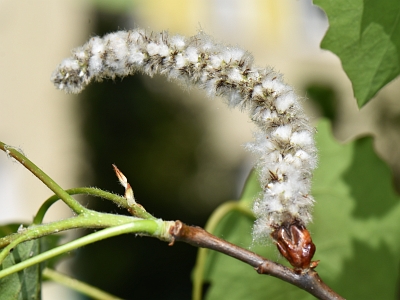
(115, 6)
(356, 219)
(356, 230)
(25, 284)
(232, 279)
(251, 189)
(46, 243)
(365, 35)
(9, 229)
(324, 98)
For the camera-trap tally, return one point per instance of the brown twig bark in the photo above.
(307, 280)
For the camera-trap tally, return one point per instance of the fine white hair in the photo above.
(284, 141)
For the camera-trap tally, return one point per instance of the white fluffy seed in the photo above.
(284, 142)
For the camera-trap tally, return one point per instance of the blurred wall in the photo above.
(34, 116)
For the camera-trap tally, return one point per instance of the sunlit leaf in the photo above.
(365, 35)
(356, 230)
(356, 220)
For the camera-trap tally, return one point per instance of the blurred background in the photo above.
(181, 151)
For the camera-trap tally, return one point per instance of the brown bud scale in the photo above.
(295, 244)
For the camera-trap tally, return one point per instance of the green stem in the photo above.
(77, 285)
(223, 210)
(10, 247)
(155, 228)
(140, 212)
(88, 219)
(50, 183)
(211, 225)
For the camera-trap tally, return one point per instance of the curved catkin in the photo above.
(284, 142)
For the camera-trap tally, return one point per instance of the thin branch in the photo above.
(89, 219)
(212, 223)
(136, 210)
(156, 228)
(43, 177)
(308, 280)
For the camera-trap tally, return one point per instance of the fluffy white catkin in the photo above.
(284, 142)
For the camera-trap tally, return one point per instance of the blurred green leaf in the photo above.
(115, 6)
(365, 34)
(325, 98)
(251, 189)
(356, 230)
(9, 229)
(50, 242)
(25, 284)
(232, 279)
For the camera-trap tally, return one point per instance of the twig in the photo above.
(43, 177)
(156, 228)
(307, 280)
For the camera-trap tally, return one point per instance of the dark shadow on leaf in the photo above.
(370, 181)
(325, 98)
(374, 268)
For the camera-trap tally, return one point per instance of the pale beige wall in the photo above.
(34, 37)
